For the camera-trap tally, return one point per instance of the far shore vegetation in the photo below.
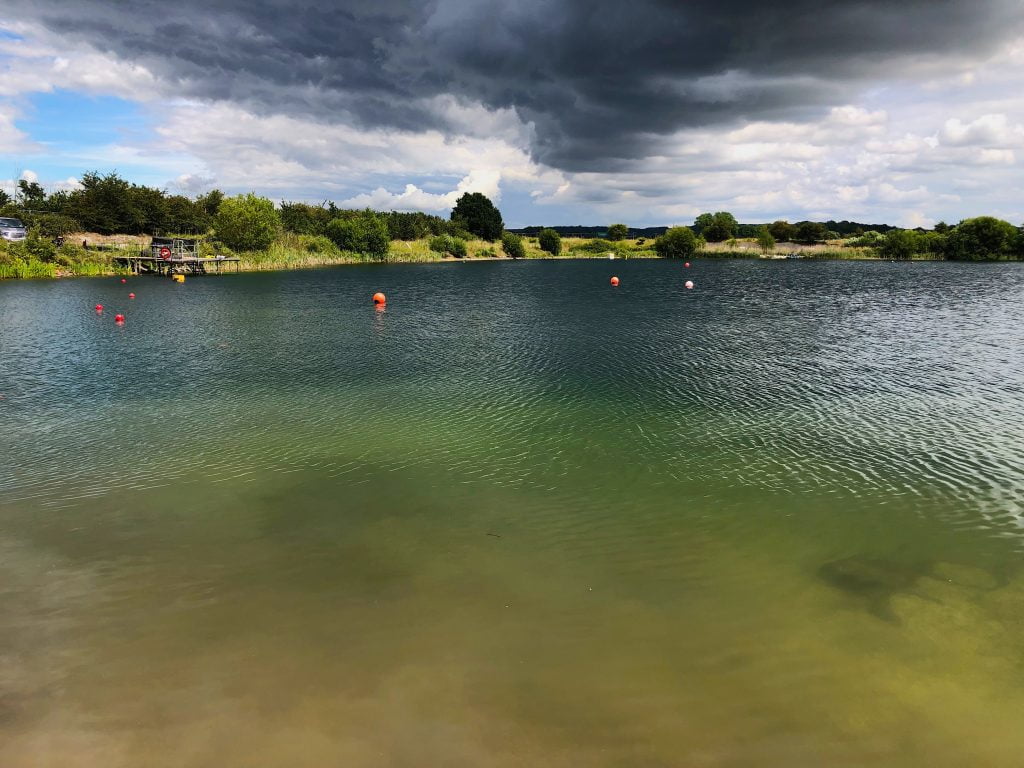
(79, 232)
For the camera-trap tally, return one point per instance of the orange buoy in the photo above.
(118, 319)
(380, 298)
(99, 307)
(614, 281)
(689, 284)
(131, 295)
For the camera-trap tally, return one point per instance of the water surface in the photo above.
(519, 518)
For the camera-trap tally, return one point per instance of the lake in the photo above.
(518, 518)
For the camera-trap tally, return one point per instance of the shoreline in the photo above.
(245, 266)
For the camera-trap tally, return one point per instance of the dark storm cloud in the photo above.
(602, 80)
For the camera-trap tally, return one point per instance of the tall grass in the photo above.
(27, 268)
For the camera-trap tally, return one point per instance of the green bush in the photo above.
(983, 238)
(676, 243)
(366, 233)
(598, 246)
(550, 241)
(247, 223)
(317, 244)
(453, 246)
(512, 244)
(39, 247)
(869, 239)
(899, 244)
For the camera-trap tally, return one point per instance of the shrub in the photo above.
(550, 241)
(40, 248)
(366, 233)
(765, 241)
(618, 232)
(869, 239)
(598, 246)
(513, 245)
(247, 223)
(899, 244)
(453, 246)
(317, 244)
(676, 243)
(51, 225)
(982, 238)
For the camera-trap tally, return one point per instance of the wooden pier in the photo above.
(141, 264)
(175, 256)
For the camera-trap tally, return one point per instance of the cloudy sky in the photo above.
(563, 111)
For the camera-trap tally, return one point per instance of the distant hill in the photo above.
(844, 228)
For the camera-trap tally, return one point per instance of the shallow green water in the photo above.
(520, 518)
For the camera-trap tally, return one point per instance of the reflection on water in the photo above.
(775, 520)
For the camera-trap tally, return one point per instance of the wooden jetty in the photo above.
(171, 256)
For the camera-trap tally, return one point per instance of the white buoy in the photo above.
(689, 284)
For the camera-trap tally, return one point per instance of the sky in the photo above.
(646, 112)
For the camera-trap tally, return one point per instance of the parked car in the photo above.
(12, 229)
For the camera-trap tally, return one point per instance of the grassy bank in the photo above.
(86, 254)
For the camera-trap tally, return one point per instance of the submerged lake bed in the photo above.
(518, 517)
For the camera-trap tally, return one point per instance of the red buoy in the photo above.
(131, 295)
(123, 280)
(119, 319)
(614, 281)
(379, 298)
(687, 264)
(99, 307)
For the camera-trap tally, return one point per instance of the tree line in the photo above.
(109, 204)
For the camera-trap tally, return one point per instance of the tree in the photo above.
(765, 240)
(476, 213)
(899, 244)
(980, 239)
(716, 227)
(31, 193)
(104, 205)
(5, 199)
(702, 222)
(304, 219)
(415, 225)
(512, 244)
(247, 222)
(366, 233)
(1018, 243)
(549, 240)
(810, 232)
(618, 232)
(676, 243)
(782, 231)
